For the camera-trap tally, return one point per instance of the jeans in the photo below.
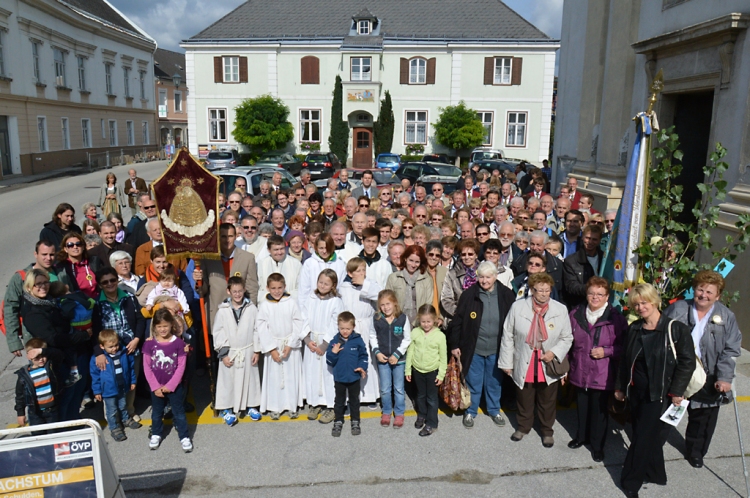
(115, 409)
(392, 383)
(39, 417)
(427, 396)
(71, 397)
(483, 375)
(177, 400)
(342, 389)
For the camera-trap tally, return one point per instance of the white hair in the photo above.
(487, 269)
(119, 256)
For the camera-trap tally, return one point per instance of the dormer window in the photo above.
(364, 23)
(363, 27)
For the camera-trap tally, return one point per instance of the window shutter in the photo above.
(489, 70)
(430, 71)
(218, 70)
(304, 71)
(515, 76)
(243, 69)
(310, 70)
(404, 71)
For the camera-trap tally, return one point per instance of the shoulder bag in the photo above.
(699, 375)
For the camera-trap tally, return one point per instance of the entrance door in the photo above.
(7, 167)
(362, 147)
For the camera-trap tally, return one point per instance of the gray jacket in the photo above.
(360, 191)
(452, 289)
(721, 342)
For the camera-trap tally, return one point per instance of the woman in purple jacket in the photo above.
(598, 335)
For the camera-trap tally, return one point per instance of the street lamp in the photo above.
(177, 79)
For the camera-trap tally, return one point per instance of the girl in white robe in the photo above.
(323, 257)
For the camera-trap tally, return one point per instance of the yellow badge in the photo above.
(520, 293)
(473, 315)
(551, 326)
(238, 274)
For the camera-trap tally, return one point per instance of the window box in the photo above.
(84, 92)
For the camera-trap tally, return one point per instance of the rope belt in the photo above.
(316, 338)
(237, 355)
(282, 344)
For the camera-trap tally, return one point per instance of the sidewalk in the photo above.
(22, 179)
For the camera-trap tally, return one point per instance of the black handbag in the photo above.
(557, 368)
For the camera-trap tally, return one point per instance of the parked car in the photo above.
(321, 164)
(388, 160)
(281, 160)
(431, 173)
(221, 159)
(436, 158)
(381, 177)
(253, 175)
(500, 164)
(481, 153)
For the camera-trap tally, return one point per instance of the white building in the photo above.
(428, 54)
(76, 77)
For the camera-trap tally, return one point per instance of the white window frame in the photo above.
(415, 76)
(217, 120)
(415, 122)
(230, 68)
(513, 127)
(35, 61)
(126, 81)
(81, 63)
(144, 131)
(130, 132)
(360, 75)
(41, 128)
(86, 133)
(363, 27)
(502, 71)
(309, 120)
(177, 101)
(65, 128)
(142, 84)
(58, 55)
(489, 133)
(108, 88)
(2, 55)
(112, 132)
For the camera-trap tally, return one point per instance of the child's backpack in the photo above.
(3, 326)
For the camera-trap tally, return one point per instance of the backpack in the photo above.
(3, 326)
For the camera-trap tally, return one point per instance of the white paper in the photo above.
(674, 414)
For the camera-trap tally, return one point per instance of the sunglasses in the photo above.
(74, 244)
(108, 282)
(150, 207)
(421, 216)
(407, 227)
(252, 229)
(482, 234)
(467, 254)
(234, 202)
(535, 265)
(364, 205)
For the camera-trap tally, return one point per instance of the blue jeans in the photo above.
(115, 409)
(392, 381)
(177, 400)
(483, 375)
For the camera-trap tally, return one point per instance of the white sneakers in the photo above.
(155, 442)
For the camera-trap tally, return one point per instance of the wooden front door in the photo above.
(362, 147)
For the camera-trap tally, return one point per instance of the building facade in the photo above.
(171, 97)
(611, 52)
(76, 78)
(425, 55)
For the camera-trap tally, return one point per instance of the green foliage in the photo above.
(415, 150)
(309, 146)
(410, 157)
(300, 157)
(674, 252)
(383, 128)
(338, 139)
(261, 124)
(458, 127)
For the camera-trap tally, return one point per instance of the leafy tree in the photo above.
(459, 128)
(338, 139)
(671, 250)
(384, 127)
(261, 124)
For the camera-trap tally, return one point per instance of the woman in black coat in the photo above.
(474, 340)
(651, 377)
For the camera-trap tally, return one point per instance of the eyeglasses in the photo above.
(535, 265)
(594, 222)
(108, 282)
(541, 291)
(42, 284)
(433, 255)
(596, 294)
(437, 190)
(420, 216)
(506, 235)
(467, 254)
(523, 218)
(74, 244)
(364, 205)
(407, 227)
(150, 207)
(482, 234)
(252, 229)
(234, 202)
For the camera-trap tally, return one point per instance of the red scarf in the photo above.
(538, 331)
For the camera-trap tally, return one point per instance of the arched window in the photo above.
(417, 71)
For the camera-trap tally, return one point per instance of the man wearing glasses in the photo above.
(139, 233)
(439, 192)
(537, 242)
(248, 239)
(420, 214)
(572, 234)
(235, 202)
(386, 198)
(579, 267)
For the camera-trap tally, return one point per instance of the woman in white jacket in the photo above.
(323, 257)
(536, 332)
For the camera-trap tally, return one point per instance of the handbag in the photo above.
(557, 368)
(618, 410)
(698, 379)
(450, 389)
(465, 393)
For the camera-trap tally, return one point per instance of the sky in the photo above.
(170, 21)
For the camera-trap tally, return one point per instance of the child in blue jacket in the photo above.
(113, 383)
(347, 355)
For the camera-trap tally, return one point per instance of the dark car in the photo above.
(283, 160)
(436, 158)
(222, 159)
(432, 173)
(497, 164)
(253, 176)
(321, 164)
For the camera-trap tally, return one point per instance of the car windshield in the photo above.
(388, 159)
(314, 158)
(382, 177)
(478, 156)
(220, 155)
(271, 158)
(446, 170)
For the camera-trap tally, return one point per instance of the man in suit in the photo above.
(234, 262)
(366, 189)
(134, 186)
(99, 256)
(537, 242)
(580, 266)
(574, 195)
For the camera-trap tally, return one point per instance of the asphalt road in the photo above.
(300, 458)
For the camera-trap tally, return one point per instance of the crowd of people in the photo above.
(366, 294)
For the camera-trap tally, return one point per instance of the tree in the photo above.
(459, 128)
(338, 139)
(385, 125)
(261, 124)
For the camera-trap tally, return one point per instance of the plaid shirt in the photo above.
(112, 317)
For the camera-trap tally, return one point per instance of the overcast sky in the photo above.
(170, 21)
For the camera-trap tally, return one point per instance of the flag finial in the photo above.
(656, 87)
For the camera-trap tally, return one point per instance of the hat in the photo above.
(293, 233)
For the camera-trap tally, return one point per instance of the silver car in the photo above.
(222, 159)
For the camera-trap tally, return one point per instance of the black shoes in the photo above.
(427, 431)
(575, 444)
(356, 430)
(419, 423)
(336, 431)
(696, 462)
(598, 456)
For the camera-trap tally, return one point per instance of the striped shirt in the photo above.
(42, 386)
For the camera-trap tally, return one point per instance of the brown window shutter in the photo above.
(515, 72)
(431, 71)
(489, 70)
(305, 70)
(314, 71)
(218, 70)
(404, 71)
(243, 69)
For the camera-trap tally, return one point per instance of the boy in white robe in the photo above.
(279, 262)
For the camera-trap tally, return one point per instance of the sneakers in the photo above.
(548, 441)
(517, 436)
(336, 431)
(398, 422)
(356, 430)
(427, 431)
(254, 414)
(154, 442)
(119, 435)
(131, 423)
(468, 420)
(187, 445)
(229, 417)
(294, 415)
(313, 412)
(385, 420)
(327, 416)
(419, 423)
(498, 419)
(275, 415)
